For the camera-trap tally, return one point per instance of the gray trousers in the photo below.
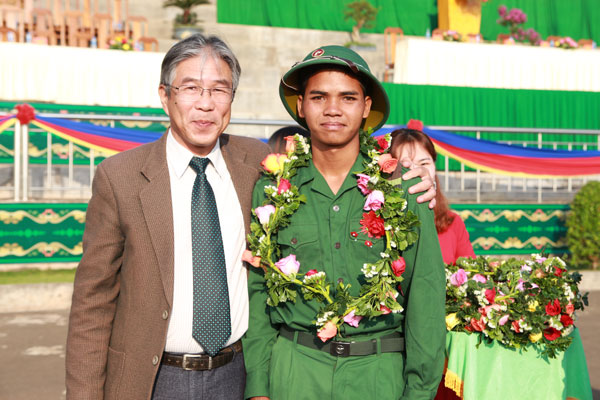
(223, 383)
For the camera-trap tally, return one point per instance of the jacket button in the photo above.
(155, 360)
(338, 245)
(165, 314)
(336, 208)
(294, 240)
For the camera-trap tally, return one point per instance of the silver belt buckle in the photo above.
(339, 349)
(185, 362)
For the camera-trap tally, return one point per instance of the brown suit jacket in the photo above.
(123, 289)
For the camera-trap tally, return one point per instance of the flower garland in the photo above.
(385, 216)
(514, 302)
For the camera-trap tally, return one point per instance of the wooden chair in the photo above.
(586, 43)
(390, 36)
(6, 32)
(103, 27)
(73, 33)
(136, 27)
(504, 38)
(13, 17)
(42, 26)
(149, 43)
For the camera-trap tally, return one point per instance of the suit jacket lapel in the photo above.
(157, 207)
(244, 176)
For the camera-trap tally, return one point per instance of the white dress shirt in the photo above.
(179, 335)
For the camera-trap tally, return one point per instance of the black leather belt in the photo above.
(387, 344)
(202, 362)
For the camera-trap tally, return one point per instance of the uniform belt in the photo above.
(202, 362)
(385, 344)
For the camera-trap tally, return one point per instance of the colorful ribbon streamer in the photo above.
(504, 159)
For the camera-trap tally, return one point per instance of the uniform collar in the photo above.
(320, 184)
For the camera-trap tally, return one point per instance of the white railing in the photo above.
(73, 182)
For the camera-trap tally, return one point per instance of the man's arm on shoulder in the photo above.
(426, 185)
(424, 328)
(96, 289)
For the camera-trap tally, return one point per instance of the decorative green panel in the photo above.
(52, 232)
(41, 232)
(515, 228)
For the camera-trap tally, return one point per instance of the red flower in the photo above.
(551, 333)
(284, 185)
(566, 320)
(384, 309)
(372, 225)
(25, 113)
(311, 272)
(399, 266)
(570, 308)
(558, 271)
(415, 124)
(490, 295)
(354, 234)
(368, 243)
(553, 307)
(516, 327)
(383, 144)
(477, 325)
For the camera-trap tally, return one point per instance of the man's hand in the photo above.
(259, 398)
(426, 185)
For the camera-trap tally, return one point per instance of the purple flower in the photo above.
(264, 213)
(352, 319)
(288, 265)
(541, 260)
(520, 286)
(459, 277)
(525, 268)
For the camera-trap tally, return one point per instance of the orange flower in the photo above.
(328, 331)
(274, 162)
(387, 163)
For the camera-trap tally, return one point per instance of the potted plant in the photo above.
(185, 24)
(363, 13)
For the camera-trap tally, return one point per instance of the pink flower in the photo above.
(520, 285)
(284, 185)
(352, 319)
(311, 272)
(249, 258)
(362, 182)
(384, 309)
(288, 265)
(374, 201)
(290, 144)
(479, 278)
(459, 277)
(387, 163)
(570, 308)
(264, 213)
(503, 320)
(399, 266)
(541, 260)
(328, 331)
(525, 268)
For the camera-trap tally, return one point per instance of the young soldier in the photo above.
(397, 355)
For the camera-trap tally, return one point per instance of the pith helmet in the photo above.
(290, 84)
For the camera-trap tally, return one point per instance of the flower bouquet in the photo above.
(120, 43)
(567, 43)
(514, 302)
(451, 36)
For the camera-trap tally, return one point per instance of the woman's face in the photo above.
(418, 156)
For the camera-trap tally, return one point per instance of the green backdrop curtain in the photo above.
(576, 18)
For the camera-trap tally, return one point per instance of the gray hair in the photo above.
(193, 46)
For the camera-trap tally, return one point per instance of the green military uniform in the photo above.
(321, 236)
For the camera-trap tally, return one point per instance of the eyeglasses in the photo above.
(191, 93)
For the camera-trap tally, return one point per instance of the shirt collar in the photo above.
(179, 157)
(307, 174)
